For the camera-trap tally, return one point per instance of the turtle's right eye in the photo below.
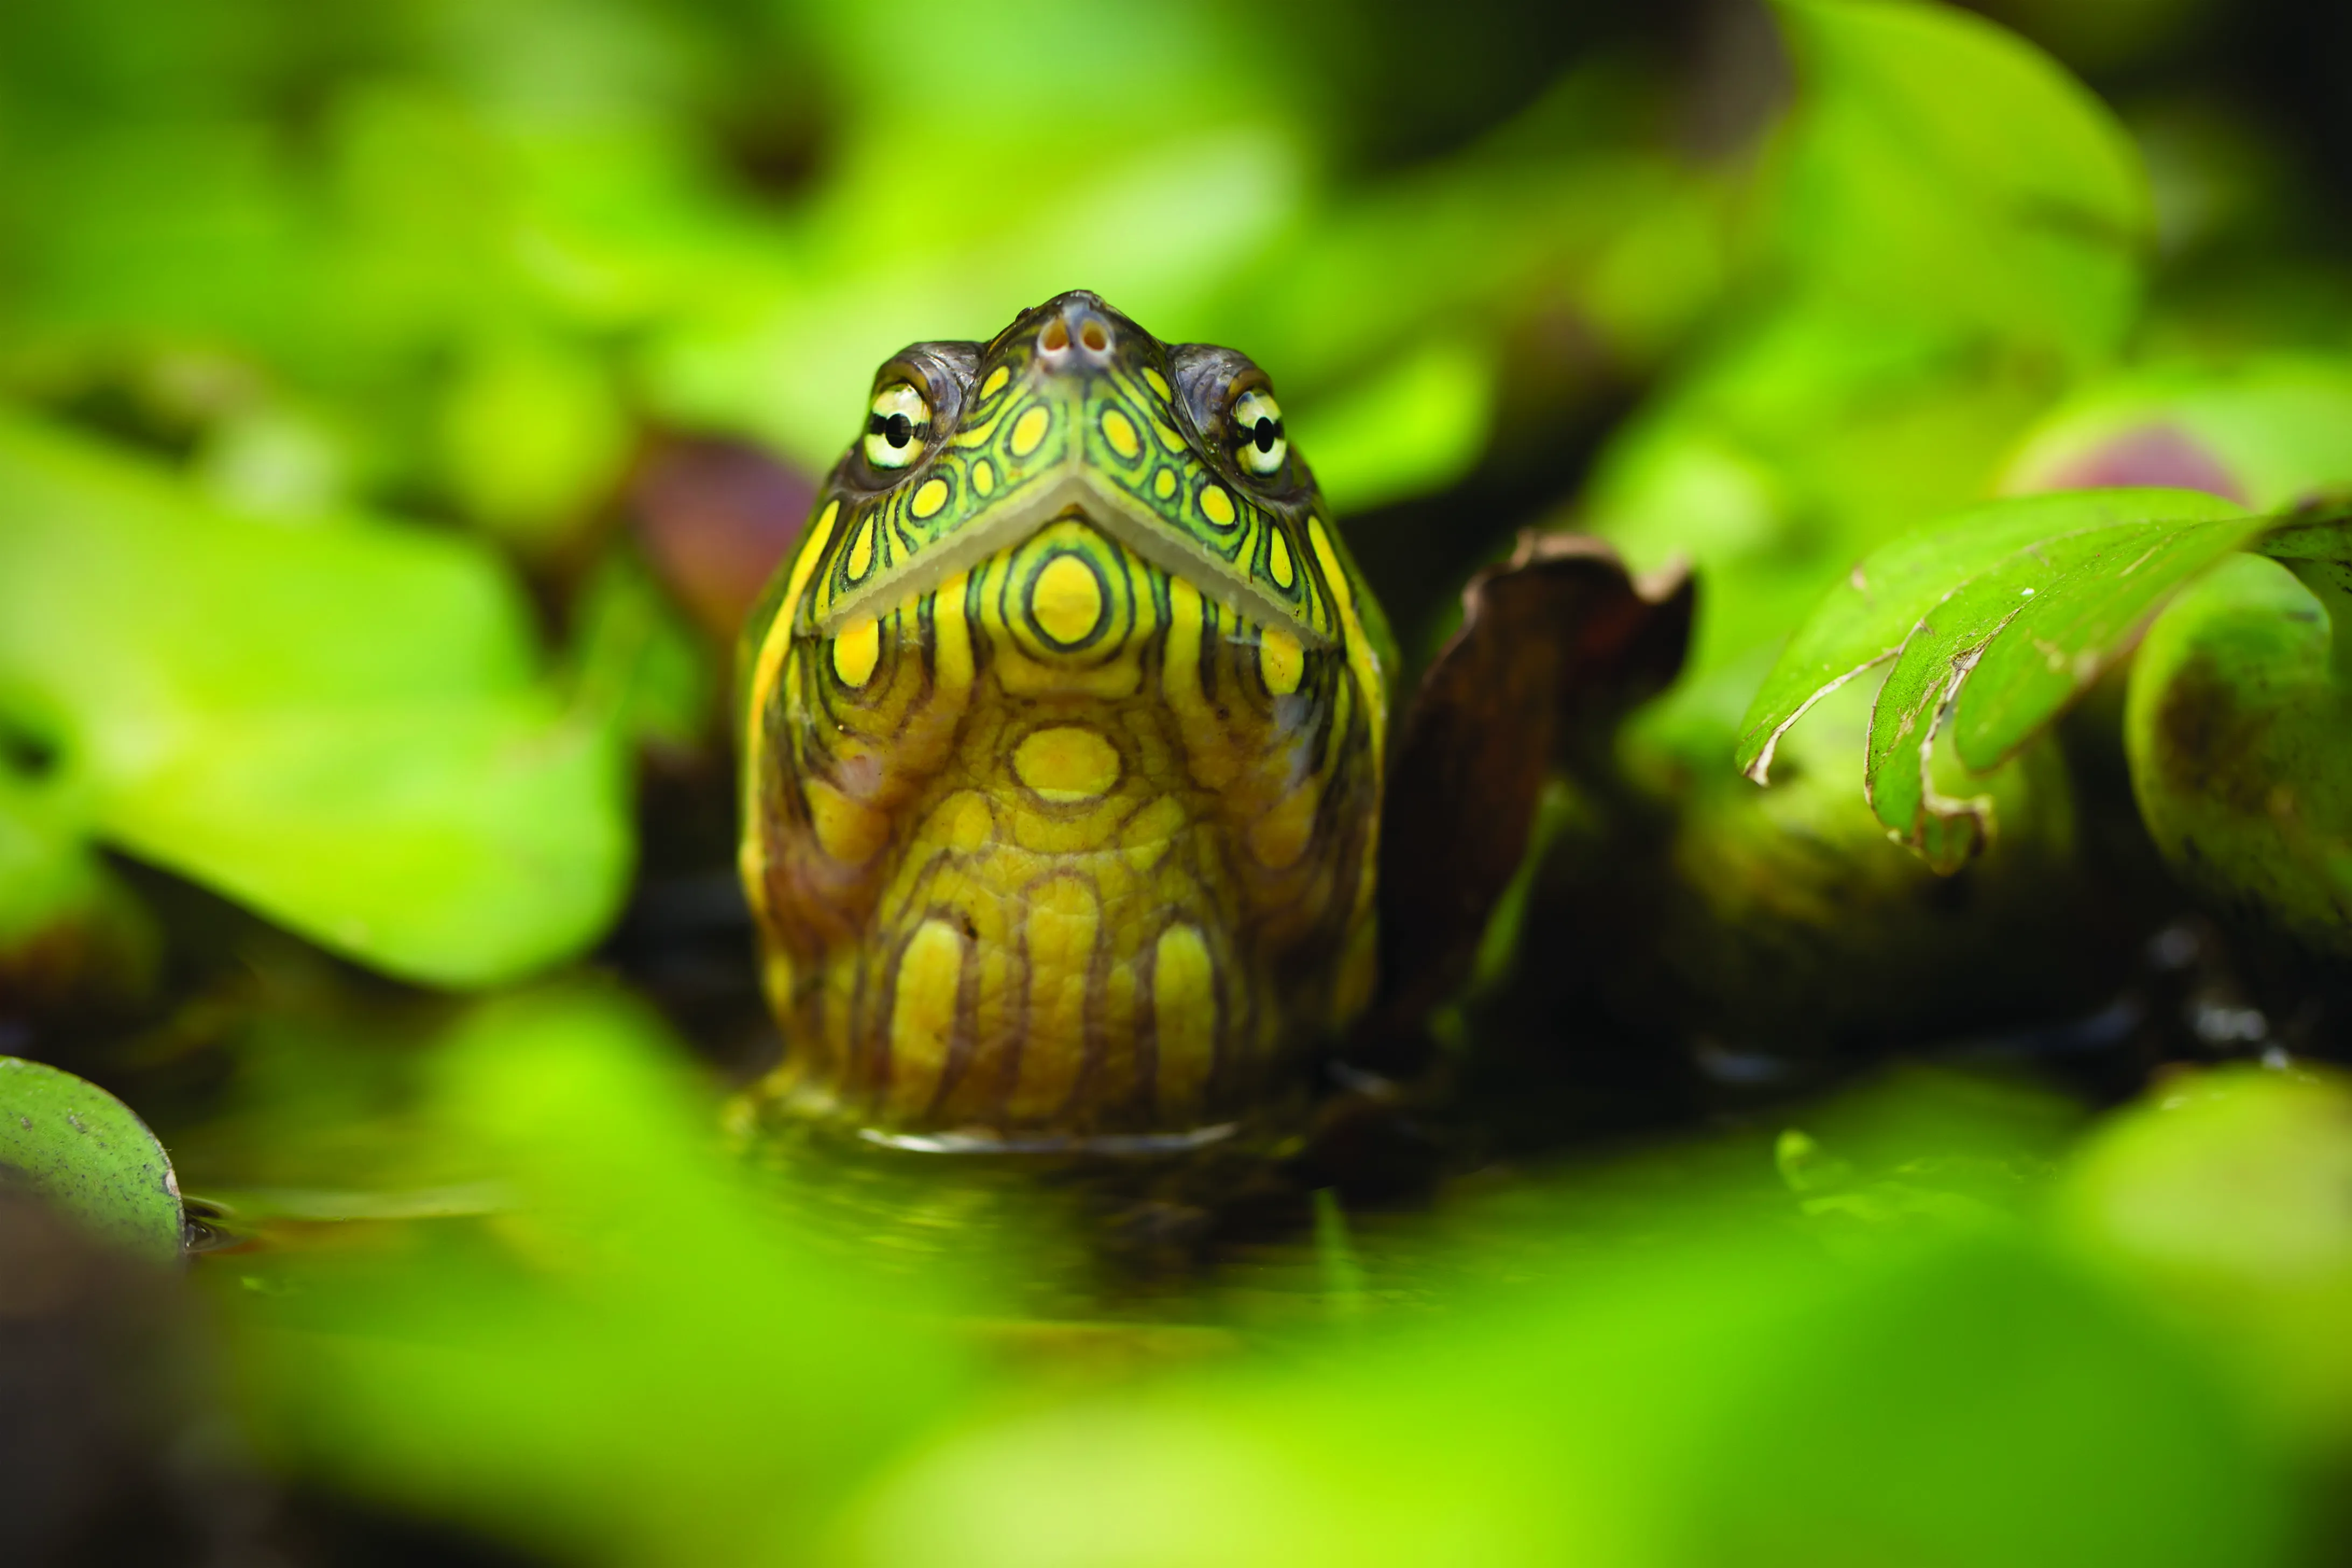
(1259, 440)
(898, 427)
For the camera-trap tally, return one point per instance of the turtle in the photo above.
(1086, 804)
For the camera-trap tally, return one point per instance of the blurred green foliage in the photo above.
(632, 1358)
(1932, 276)
(339, 723)
(424, 252)
(2221, 1197)
(637, 1356)
(331, 339)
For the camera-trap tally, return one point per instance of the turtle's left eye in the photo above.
(1258, 440)
(898, 427)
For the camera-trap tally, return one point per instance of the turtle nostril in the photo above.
(1054, 338)
(1094, 336)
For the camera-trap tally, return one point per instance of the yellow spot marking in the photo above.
(970, 824)
(861, 552)
(1066, 600)
(1029, 430)
(1217, 505)
(1184, 1006)
(1155, 825)
(1120, 431)
(847, 829)
(983, 477)
(996, 379)
(1063, 922)
(1277, 560)
(1168, 437)
(1157, 382)
(1066, 763)
(776, 978)
(1279, 838)
(1163, 483)
(923, 1012)
(1279, 660)
(932, 496)
(856, 650)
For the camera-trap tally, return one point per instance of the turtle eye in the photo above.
(1258, 440)
(897, 427)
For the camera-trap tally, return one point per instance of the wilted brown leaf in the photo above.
(1555, 645)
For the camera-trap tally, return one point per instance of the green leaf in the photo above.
(2236, 725)
(1939, 165)
(2223, 1194)
(341, 723)
(531, 1377)
(1942, 270)
(1869, 618)
(533, 436)
(86, 1152)
(1704, 1402)
(71, 933)
(635, 656)
(46, 875)
(2318, 535)
(1407, 431)
(2048, 590)
(460, 845)
(2070, 633)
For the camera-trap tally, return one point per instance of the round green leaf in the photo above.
(90, 1155)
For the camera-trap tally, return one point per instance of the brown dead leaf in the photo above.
(1556, 644)
(716, 518)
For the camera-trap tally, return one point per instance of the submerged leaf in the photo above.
(87, 1153)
